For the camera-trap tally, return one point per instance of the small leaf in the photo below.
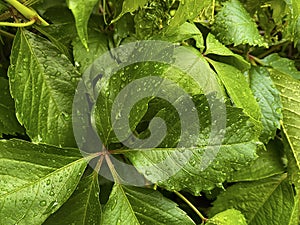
(283, 65)
(83, 207)
(269, 201)
(35, 180)
(97, 44)
(43, 83)
(129, 6)
(82, 13)
(228, 217)
(135, 206)
(8, 121)
(239, 91)
(268, 98)
(233, 25)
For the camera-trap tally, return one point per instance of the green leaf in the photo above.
(187, 10)
(83, 207)
(97, 44)
(233, 25)
(129, 6)
(167, 165)
(293, 28)
(35, 180)
(269, 201)
(134, 206)
(82, 13)
(268, 98)
(8, 121)
(283, 65)
(290, 93)
(268, 163)
(43, 83)
(213, 46)
(239, 90)
(228, 217)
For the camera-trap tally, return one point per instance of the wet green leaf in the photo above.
(228, 217)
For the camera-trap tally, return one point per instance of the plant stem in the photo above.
(8, 24)
(9, 35)
(191, 205)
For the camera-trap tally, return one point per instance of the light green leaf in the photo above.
(239, 90)
(290, 94)
(228, 217)
(187, 10)
(35, 180)
(233, 25)
(83, 207)
(135, 206)
(268, 98)
(97, 44)
(283, 65)
(293, 28)
(269, 201)
(170, 170)
(213, 46)
(129, 6)
(43, 83)
(8, 121)
(82, 12)
(268, 163)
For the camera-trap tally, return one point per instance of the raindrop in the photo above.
(43, 203)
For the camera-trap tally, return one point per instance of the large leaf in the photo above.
(35, 180)
(83, 207)
(290, 93)
(82, 13)
(268, 99)
(97, 44)
(233, 25)
(283, 65)
(268, 163)
(239, 90)
(228, 217)
(8, 121)
(199, 167)
(266, 202)
(129, 6)
(134, 206)
(43, 83)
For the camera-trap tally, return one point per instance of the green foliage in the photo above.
(217, 144)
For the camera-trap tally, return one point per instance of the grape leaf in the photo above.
(97, 44)
(283, 65)
(8, 121)
(268, 163)
(231, 20)
(265, 202)
(188, 174)
(268, 98)
(82, 13)
(290, 92)
(131, 205)
(83, 207)
(129, 6)
(239, 90)
(35, 180)
(228, 217)
(43, 83)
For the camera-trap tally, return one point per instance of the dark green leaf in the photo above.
(43, 83)
(233, 25)
(35, 180)
(135, 206)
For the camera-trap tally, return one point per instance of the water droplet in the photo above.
(43, 203)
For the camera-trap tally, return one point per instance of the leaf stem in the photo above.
(26, 24)
(112, 169)
(4, 33)
(192, 206)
